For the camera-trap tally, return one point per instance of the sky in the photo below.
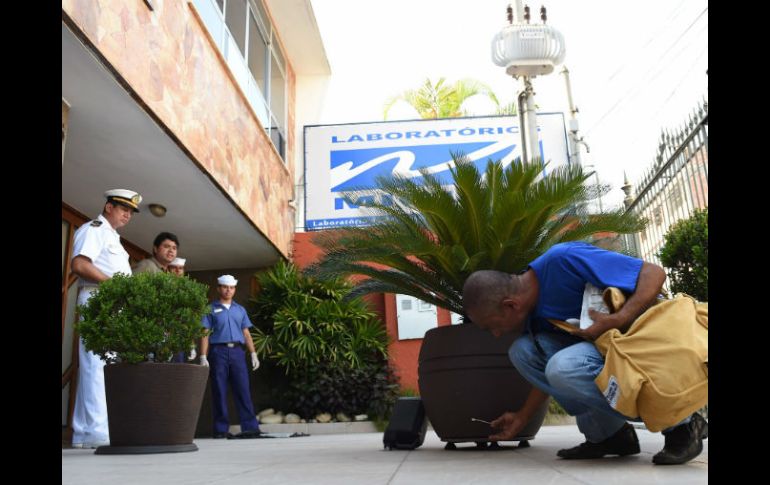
(635, 67)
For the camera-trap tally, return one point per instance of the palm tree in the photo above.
(436, 236)
(440, 100)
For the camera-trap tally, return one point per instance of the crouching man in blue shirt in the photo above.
(565, 365)
(228, 330)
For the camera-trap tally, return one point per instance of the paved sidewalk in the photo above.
(360, 459)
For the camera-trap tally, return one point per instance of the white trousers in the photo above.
(89, 420)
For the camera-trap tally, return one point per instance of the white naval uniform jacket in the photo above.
(101, 244)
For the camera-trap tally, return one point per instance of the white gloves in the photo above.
(193, 354)
(204, 361)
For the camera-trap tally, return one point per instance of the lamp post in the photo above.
(527, 50)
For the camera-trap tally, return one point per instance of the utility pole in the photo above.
(574, 141)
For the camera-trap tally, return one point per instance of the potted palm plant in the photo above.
(434, 238)
(136, 324)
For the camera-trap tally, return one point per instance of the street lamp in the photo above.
(527, 50)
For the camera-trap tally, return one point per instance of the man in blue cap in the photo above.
(228, 326)
(97, 254)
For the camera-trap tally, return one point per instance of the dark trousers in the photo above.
(228, 365)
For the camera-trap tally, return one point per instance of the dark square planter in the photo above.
(153, 408)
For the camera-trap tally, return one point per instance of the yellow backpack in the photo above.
(658, 369)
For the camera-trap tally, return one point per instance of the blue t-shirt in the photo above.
(563, 271)
(226, 325)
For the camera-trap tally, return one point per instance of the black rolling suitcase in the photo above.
(406, 429)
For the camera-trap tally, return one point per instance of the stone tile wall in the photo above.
(166, 57)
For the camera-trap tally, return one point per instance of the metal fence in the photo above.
(675, 185)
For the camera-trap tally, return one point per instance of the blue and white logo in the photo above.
(345, 158)
(359, 168)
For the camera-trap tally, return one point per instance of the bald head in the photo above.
(484, 290)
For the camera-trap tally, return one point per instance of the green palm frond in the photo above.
(435, 236)
(440, 100)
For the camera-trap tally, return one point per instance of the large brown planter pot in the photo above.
(153, 408)
(464, 372)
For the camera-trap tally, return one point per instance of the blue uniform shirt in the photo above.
(226, 325)
(563, 271)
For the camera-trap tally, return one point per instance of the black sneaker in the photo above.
(246, 435)
(221, 436)
(623, 442)
(683, 443)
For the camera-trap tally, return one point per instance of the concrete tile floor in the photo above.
(359, 458)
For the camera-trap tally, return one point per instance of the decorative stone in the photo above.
(360, 417)
(265, 412)
(323, 417)
(343, 418)
(303, 420)
(291, 418)
(271, 419)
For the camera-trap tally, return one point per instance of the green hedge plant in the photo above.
(302, 322)
(149, 314)
(333, 348)
(368, 389)
(685, 254)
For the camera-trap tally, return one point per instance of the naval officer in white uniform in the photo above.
(97, 255)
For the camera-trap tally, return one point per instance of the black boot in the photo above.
(247, 435)
(623, 442)
(683, 443)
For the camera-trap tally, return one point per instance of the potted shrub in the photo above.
(136, 324)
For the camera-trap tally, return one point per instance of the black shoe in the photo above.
(221, 436)
(623, 442)
(246, 435)
(683, 443)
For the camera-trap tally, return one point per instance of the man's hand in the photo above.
(204, 361)
(193, 354)
(602, 323)
(254, 361)
(511, 424)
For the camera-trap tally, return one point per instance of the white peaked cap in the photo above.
(227, 280)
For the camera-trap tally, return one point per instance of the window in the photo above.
(277, 102)
(235, 18)
(259, 67)
(424, 306)
(260, 9)
(257, 54)
(278, 88)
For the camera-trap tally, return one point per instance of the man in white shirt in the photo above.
(97, 255)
